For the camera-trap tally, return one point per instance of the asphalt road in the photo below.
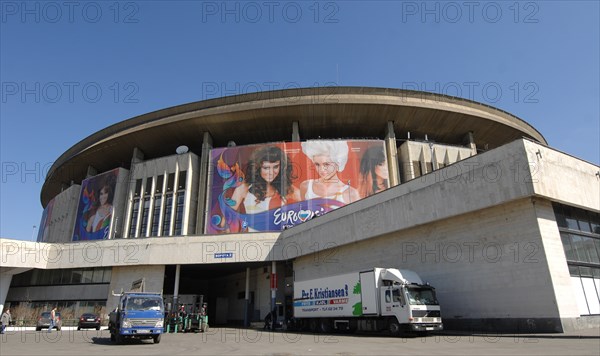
(231, 341)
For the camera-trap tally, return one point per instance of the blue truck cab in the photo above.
(138, 315)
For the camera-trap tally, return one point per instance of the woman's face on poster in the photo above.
(103, 195)
(270, 170)
(325, 166)
(381, 170)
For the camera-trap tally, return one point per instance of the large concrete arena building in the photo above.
(235, 198)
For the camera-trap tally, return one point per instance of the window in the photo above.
(156, 215)
(86, 276)
(581, 243)
(39, 277)
(107, 275)
(76, 276)
(180, 207)
(134, 217)
(145, 212)
(171, 182)
(569, 252)
(181, 181)
(98, 275)
(159, 185)
(179, 213)
(167, 217)
(397, 296)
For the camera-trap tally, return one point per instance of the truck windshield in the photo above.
(144, 303)
(421, 296)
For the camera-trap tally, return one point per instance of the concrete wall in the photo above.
(489, 267)
(561, 281)
(60, 223)
(122, 277)
(430, 155)
(120, 203)
(255, 247)
(230, 287)
(561, 177)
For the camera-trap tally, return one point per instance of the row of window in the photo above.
(580, 236)
(577, 219)
(580, 248)
(161, 200)
(586, 281)
(44, 277)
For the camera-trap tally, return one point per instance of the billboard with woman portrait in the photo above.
(271, 187)
(95, 209)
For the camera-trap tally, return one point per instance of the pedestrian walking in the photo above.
(5, 320)
(52, 319)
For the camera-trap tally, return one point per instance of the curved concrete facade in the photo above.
(336, 112)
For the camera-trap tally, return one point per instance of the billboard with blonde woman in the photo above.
(271, 187)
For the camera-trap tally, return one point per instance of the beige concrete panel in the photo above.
(486, 264)
(561, 177)
(123, 277)
(64, 213)
(255, 247)
(557, 262)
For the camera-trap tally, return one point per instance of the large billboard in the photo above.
(95, 209)
(271, 187)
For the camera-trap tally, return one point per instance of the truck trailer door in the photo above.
(368, 292)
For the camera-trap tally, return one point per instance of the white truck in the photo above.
(370, 300)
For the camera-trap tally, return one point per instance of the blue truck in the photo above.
(139, 315)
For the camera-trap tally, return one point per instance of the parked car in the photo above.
(88, 321)
(43, 321)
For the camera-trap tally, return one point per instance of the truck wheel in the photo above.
(313, 325)
(156, 339)
(394, 328)
(325, 326)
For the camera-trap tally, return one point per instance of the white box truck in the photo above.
(370, 300)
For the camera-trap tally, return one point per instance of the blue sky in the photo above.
(69, 69)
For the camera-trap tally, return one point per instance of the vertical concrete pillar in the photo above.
(205, 171)
(138, 155)
(91, 171)
(470, 140)
(295, 132)
(273, 290)
(247, 299)
(392, 154)
(175, 196)
(176, 287)
(185, 228)
(5, 280)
